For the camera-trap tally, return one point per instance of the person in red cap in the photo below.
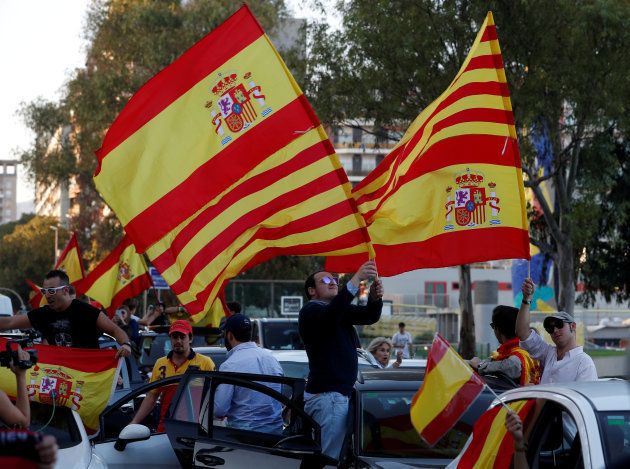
(176, 362)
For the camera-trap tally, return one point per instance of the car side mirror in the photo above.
(129, 434)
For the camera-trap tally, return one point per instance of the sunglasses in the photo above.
(328, 280)
(553, 325)
(52, 290)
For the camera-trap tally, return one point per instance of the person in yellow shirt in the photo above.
(176, 362)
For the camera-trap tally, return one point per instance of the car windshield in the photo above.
(386, 429)
(615, 428)
(281, 336)
(298, 369)
(57, 421)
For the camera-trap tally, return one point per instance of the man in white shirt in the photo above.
(402, 341)
(566, 362)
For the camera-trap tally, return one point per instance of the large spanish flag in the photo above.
(451, 191)
(219, 163)
(449, 388)
(70, 261)
(492, 446)
(82, 379)
(122, 274)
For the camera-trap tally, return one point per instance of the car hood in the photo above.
(75, 456)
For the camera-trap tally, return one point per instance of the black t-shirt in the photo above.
(74, 327)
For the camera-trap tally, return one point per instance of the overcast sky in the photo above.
(41, 44)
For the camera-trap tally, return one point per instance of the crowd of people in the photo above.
(326, 326)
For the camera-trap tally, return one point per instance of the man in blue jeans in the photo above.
(326, 327)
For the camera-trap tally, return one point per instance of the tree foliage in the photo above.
(566, 65)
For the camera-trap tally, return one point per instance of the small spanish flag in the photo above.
(492, 446)
(450, 387)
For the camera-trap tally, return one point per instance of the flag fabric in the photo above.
(70, 261)
(449, 388)
(492, 446)
(530, 367)
(122, 274)
(451, 191)
(82, 379)
(235, 167)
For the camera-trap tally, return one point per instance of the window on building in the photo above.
(356, 135)
(11, 169)
(356, 164)
(435, 294)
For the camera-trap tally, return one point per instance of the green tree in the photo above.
(566, 66)
(28, 253)
(129, 42)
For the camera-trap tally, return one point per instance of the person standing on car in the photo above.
(509, 359)
(326, 327)
(65, 321)
(403, 341)
(175, 363)
(242, 407)
(562, 363)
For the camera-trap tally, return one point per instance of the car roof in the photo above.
(275, 319)
(603, 394)
(209, 349)
(301, 357)
(390, 379)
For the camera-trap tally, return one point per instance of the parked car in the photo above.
(585, 424)
(277, 333)
(217, 354)
(294, 363)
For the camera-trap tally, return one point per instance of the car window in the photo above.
(554, 438)
(57, 421)
(386, 429)
(281, 336)
(615, 430)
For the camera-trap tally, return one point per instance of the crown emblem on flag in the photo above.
(470, 202)
(239, 104)
(469, 179)
(124, 272)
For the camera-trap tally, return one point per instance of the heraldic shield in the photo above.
(471, 202)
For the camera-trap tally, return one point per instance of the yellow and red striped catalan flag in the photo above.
(82, 379)
(451, 191)
(492, 446)
(449, 388)
(70, 261)
(122, 274)
(219, 163)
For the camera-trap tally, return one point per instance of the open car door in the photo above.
(200, 440)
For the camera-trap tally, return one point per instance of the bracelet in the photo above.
(126, 343)
(526, 302)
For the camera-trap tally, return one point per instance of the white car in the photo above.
(575, 425)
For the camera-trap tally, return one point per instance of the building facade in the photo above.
(8, 188)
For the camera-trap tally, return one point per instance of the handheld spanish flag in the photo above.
(82, 379)
(122, 274)
(492, 446)
(451, 191)
(449, 388)
(219, 163)
(70, 261)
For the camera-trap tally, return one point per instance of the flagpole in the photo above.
(498, 398)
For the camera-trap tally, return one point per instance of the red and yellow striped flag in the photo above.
(492, 446)
(70, 261)
(449, 388)
(122, 274)
(82, 379)
(219, 163)
(451, 191)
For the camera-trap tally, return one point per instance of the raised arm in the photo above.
(20, 321)
(107, 325)
(523, 317)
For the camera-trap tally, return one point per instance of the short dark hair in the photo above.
(131, 303)
(401, 324)
(504, 320)
(72, 290)
(60, 274)
(234, 306)
(310, 283)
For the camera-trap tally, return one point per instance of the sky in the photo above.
(41, 43)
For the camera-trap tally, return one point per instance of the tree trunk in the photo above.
(467, 330)
(565, 274)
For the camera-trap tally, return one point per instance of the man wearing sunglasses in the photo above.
(326, 325)
(566, 362)
(66, 321)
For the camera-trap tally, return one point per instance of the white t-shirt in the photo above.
(401, 342)
(574, 366)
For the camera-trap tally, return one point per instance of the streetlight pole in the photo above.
(56, 230)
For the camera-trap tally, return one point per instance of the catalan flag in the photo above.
(492, 446)
(121, 275)
(451, 191)
(70, 261)
(449, 388)
(218, 163)
(82, 379)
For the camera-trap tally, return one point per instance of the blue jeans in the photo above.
(330, 411)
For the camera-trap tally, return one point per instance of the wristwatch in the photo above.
(126, 343)
(526, 302)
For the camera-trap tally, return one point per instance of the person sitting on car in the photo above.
(380, 350)
(509, 359)
(176, 362)
(241, 407)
